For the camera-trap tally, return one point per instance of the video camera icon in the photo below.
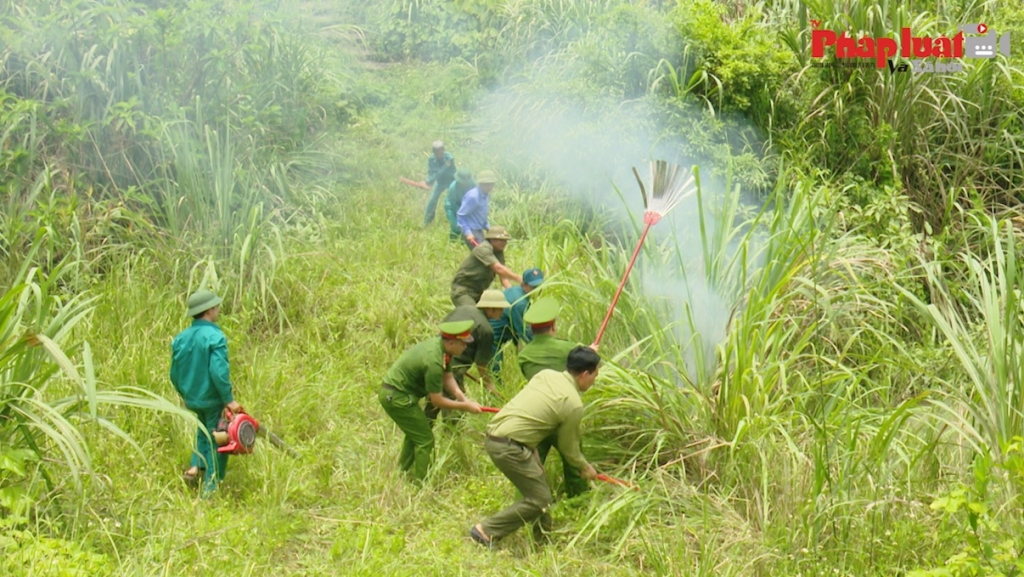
(984, 46)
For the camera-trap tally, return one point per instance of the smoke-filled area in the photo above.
(589, 151)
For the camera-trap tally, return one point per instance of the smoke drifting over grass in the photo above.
(589, 149)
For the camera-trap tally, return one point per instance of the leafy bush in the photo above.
(741, 63)
(427, 30)
(616, 56)
(977, 521)
(24, 553)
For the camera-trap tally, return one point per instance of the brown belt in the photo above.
(508, 441)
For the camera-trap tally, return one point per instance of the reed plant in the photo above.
(920, 130)
(50, 405)
(983, 327)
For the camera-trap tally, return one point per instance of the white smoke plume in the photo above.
(590, 151)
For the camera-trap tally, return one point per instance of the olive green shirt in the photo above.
(549, 403)
(475, 274)
(480, 350)
(420, 370)
(544, 352)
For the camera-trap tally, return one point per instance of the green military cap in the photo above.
(457, 330)
(201, 301)
(492, 299)
(464, 176)
(542, 312)
(486, 177)
(497, 233)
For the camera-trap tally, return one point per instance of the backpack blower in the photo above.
(236, 435)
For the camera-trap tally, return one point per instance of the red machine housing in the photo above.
(241, 432)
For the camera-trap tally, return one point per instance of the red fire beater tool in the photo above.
(419, 184)
(614, 481)
(670, 184)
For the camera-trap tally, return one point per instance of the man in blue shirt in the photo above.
(199, 372)
(440, 174)
(511, 327)
(472, 215)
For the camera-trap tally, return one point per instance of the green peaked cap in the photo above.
(543, 311)
(457, 330)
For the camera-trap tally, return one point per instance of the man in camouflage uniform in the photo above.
(478, 269)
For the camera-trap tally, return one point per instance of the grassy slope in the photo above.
(366, 283)
(361, 282)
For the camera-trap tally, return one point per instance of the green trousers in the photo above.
(205, 456)
(522, 466)
(418, 445)
(435, 196)
(461, 295)
(454, 232)
(573, 482)
(452, 416)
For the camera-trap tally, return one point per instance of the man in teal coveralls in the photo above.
(199, 372)
(462, 184)
(440, 173)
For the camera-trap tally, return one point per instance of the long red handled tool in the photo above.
(420, 184)
(670, 184)
(490, 409)
(478, 381)
(614, 481)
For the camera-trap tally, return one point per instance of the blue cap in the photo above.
(533, 277)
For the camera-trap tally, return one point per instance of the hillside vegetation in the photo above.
(816, 368)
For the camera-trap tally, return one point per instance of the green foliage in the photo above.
(194, 118)
(431, 30)
(25, 553)
(740, 63)
(616, 55)
(985, 530)
(781, 408)
(47, 403)
(922, 129)
(985, 335)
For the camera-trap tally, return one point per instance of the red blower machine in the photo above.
(236, 435)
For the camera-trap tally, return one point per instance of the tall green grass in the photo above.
(924, 131)
(982, 321)
(50, 403)
(847, 390)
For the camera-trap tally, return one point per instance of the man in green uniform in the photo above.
(423, 371)
(546, 351)
(491, 305)
(200, 374)
(440, 173)
(550, 404)
(478, 270)
(462, 184)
